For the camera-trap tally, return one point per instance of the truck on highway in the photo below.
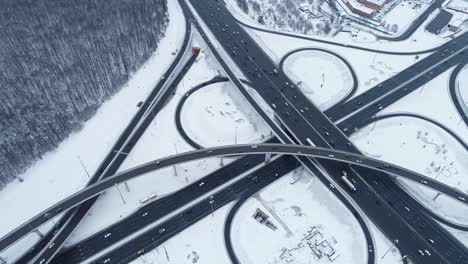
(348, 183)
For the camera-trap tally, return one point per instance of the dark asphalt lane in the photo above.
(453, 93)
(348, 65)
(252, 183)
(404, 82)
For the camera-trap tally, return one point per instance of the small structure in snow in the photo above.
(195, 50)
(262, 218)
(319, 245)
(439, 22)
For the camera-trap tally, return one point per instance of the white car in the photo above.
(107, 235)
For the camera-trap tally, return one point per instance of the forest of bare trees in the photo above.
(60, 60)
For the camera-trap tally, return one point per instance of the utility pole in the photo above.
(121, 196)
(422, 88)
(174, 166)
(373, 60)
(128, 155)
(235, 136)
(167, 255)
(82, 165)
(387, 252)
(38, 232)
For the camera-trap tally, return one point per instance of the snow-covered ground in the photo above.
(300, 206)
(213, 108)
(301, 202)
(322, 77)
(305, 16)
(60, 173)
(403, 14)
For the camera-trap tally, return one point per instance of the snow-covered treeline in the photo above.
(317, 17)
(60, 60)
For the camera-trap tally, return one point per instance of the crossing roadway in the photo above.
(412, 229)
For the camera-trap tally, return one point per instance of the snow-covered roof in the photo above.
(377, 2)
(356, 5)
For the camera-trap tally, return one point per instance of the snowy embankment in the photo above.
(215, 108)
(322, 77)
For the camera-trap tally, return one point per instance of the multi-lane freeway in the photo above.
(305, 123)
(234, 150)
(413, 229)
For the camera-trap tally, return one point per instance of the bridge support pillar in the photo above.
(267, 157)
(38, 233)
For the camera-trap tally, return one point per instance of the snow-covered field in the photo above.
(300, 206)
(213, 108)
(322, 77)
(403, 14)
